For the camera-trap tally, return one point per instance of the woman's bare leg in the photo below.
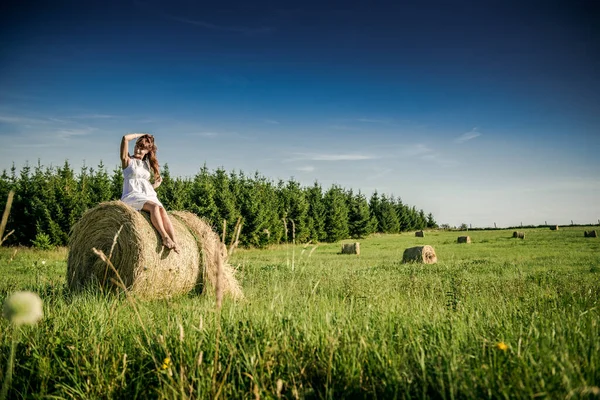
(169, 227)
(157, 221)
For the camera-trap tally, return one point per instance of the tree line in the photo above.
(48, 201)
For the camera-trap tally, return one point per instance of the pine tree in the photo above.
(225, 202)
(336, 214)
(117, 182)
(100, 186)
(431, 221)
(387, 217)
(359, 216)
(294, 207)
(316, 213)
(203, 197)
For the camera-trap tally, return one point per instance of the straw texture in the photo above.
(134, 247)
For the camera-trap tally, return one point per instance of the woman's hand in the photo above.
(157, 182)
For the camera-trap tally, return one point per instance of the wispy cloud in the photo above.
(414, 150)
(344, 128)
(207, 134)
(373, 120)
(17, 119)
(271, 121)
(472, 134)
(68, 133)
(94, 116)
(307, 168)
(333, 157)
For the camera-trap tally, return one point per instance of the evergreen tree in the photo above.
(100, 186)
(387, 218)
(259, 210)
(359, 216)
(294, 207)
(431, 221)
(117, 182)
(315, 220)
(374, 206)
(402, 213)
(203, 197)
(336, 214)
(226, 203)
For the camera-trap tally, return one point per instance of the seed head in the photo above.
(23, 308)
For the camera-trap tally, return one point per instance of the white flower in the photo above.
(23, 308)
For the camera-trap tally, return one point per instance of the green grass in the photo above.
(324, 325)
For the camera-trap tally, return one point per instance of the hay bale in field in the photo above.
(134, 247)
(554, 228)
(421, 254)
(419, 234)
(464, 239)
(520, 235)
(351, 248)
(590, 234)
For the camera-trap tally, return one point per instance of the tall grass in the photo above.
(498, 318)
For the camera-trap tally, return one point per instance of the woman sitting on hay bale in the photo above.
(138, 192)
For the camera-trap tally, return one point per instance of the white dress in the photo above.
(137, 188)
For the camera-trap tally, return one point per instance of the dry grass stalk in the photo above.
(464, 239)
(146, 268)
(421, 254)
(293, 243)
(351, 248)
(224, 230)
(520, 235)
(419, 234)
(236, 236)
(7, 208)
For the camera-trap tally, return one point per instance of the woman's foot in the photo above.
(168, 243)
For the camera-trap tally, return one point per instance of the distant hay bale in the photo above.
(419, 234)
(421, 254)
(134, 247)
(351, 248)
(554, 227)
(590, 234)
(464, 239)
(520, 235)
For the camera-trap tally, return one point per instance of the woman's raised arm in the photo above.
(125, 147)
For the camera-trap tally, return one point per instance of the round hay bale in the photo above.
(464, 239)
(419, 234)
(146, 268)
(591, 234)
(520, 235)
(351, 248)
(554, 227)
(421, 254)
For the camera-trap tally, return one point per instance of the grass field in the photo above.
(497, 318)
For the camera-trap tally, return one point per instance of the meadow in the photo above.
(496, 318)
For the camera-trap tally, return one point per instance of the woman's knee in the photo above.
(152, 208)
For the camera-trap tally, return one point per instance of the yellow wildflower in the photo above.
(166, 363)
(502, 346)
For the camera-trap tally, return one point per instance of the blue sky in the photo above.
(480, 112)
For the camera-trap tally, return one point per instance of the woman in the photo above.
(138, 192)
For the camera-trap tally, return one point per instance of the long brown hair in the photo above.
(147, 143)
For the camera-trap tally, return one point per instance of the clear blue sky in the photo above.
(476, 111)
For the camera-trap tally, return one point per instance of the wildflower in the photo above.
(23, 308)
(166, 363)
(502, 346)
